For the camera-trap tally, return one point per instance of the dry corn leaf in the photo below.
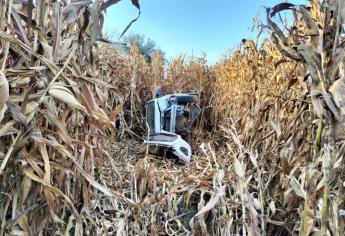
(4, 130)
(65, 95)
(52, 191)
(9, 153)
(212, 202)
(30, 107)
(298, 189)
(24, 224)
(4, 89)
(239, 170)
(26, 185)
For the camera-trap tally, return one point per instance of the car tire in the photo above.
(183, 99)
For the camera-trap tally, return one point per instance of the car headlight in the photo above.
(184, 150)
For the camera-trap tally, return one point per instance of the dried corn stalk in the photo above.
(317, 42)
(54, 129)
(260, 142)
(250, 173)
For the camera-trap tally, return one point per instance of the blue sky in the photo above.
(190, 26)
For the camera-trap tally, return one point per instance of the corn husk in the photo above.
(65, 95)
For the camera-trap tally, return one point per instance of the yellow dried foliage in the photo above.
(71, 152)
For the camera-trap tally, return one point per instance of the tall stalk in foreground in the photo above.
(316, 39)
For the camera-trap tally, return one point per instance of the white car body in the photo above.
(161, 116)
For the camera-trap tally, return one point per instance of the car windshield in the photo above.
(163, 104)
(150, 116)
(164, 107)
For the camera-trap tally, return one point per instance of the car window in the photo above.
(150, 116)
(163, 104)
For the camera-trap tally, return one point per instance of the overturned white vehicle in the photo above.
(169, 119)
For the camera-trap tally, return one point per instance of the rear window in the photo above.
(150, 116)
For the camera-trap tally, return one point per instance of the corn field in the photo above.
(268, 145)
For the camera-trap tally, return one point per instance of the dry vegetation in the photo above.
(267, 161)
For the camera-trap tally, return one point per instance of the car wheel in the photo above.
(183, 99)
